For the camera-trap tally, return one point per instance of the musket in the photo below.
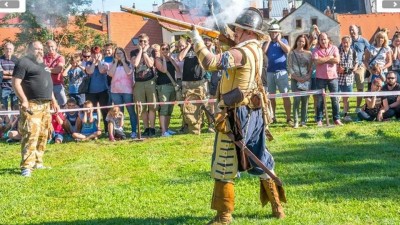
(202, 30)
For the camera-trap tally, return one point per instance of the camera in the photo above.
(348, 70)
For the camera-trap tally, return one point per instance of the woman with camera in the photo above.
(347, 66)
(299, 67)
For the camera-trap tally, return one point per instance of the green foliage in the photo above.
(339, 175)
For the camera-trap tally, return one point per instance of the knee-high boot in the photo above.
(223, 202)
(269, 193)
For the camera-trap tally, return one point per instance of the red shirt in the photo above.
(56, 126)
(53, 61)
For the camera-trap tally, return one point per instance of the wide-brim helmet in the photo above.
(250, 19)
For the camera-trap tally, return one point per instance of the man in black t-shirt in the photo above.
(145, 87)
(34, 87)
(193, 88)
(391, 103)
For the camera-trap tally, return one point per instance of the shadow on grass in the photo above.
(356, 166)
(138, 221)
(10, 171)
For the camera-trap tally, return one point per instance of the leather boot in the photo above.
(269, 193)
(223, 202)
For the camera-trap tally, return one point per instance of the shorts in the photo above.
(278, 79)
(58, 136)
(359, 76)
(166, 93)
(145, 92)
(344, 88)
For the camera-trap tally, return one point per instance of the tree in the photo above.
(49, 19)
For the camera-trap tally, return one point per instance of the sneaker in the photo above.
(26, 173)
(303, 124)
(319, 124)
(146, 132)
(166, 134)
(338, 123)
(40, 167)
(296, 125)
(133, 135)
(347, 119)
(171, 132)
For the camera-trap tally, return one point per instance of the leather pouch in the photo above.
(221, 122)
(233, 97)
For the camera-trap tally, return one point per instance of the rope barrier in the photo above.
(270, 96)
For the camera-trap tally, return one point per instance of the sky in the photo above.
(114, 5)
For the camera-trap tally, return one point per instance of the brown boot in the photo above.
(223, 202)
(269, 193)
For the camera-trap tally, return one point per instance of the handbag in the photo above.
(233, 97)
(84, 86)
(305, 86)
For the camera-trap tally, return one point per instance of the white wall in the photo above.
(305, 14)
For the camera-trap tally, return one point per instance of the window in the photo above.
(314, 21)
(298, 24)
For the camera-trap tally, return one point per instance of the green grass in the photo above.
(340, 175)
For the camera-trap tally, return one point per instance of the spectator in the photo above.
(7, 63)
(193, 88)
(359, 44)
(379, 53)
(57, 120)
(299, 68)
(314, 33)
(277, 75)
(395, 46)
(75, 73)
(56, 62)
(376, 72)
(122, 84)
(86, 56)
(346, 69)
(166, 67)
(391, 103)
(326, 56)
(98, 87)
(72, 122)
(144, 91)
(5, 122)
(13, 134)
(115, 119)
(90, 123)
(372, 103)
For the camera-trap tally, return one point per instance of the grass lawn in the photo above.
(340, 175)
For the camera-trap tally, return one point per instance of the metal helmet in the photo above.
(250, 19)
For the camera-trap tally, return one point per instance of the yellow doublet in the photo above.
(240, 64)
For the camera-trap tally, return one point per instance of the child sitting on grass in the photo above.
(57, 121)
(90, 123)
(115, 119)
(72, 122)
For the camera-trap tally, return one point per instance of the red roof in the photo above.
(369, 23)
(11, 21)
(191, 17)
(124, 26)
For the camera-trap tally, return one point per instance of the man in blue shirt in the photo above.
(277, 76)
(359, 44)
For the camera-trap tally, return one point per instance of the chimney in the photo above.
(285, 12)
(293, 8)
(103, 22)
(133, 5)
(265, 12)
(155, 7)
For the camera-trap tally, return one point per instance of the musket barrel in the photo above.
(202, 30)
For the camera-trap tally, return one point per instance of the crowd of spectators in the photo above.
(166, 72)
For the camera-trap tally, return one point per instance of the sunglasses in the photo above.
(164, 49)
(390, 78)
(86, 56)
(143, 41)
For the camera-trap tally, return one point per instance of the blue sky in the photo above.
(113, 5)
